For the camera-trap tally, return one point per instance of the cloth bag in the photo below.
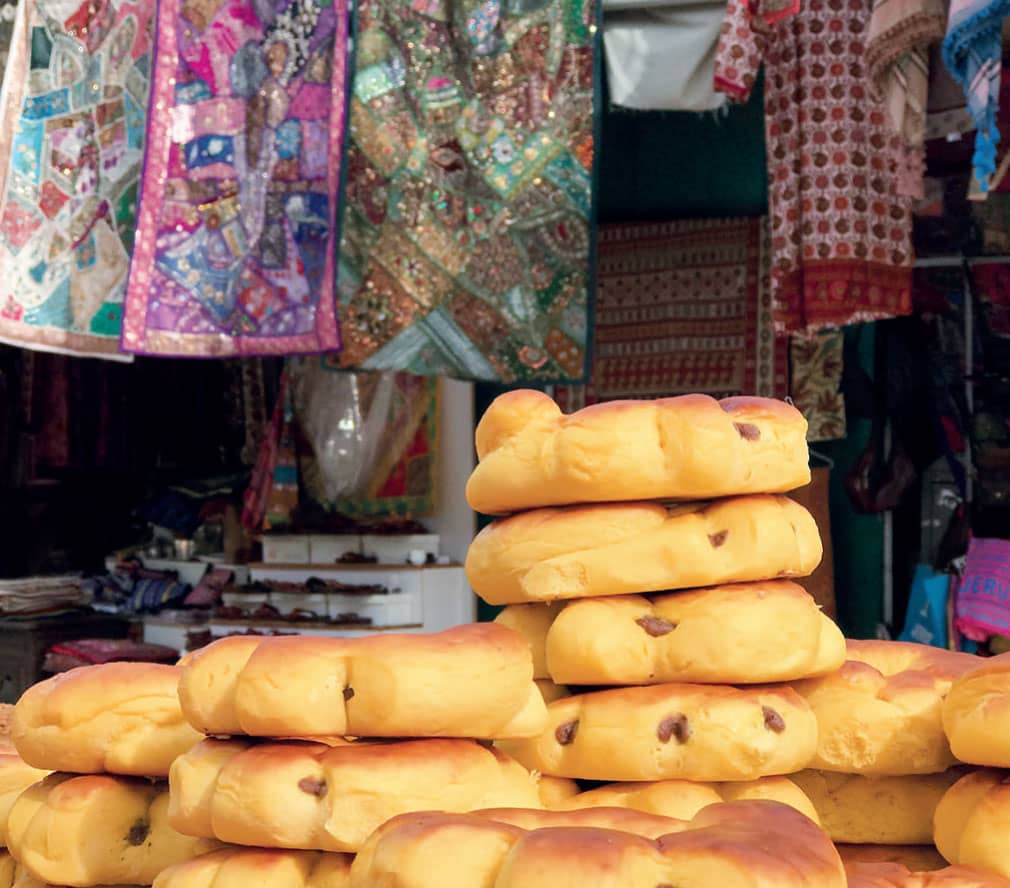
(983, 599)
(926, 619)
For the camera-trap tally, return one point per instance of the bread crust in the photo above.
(752, 844)
(894, 875)
(116, 718)
(673, 731)
(684, 448)
(308, 796)
(473, 681)
(96, 830)
(240, 867)
(636, 548)
(854, 809)
(976, 714)
(748, 633)
(881, 713)
(972, 821)
(16, 776)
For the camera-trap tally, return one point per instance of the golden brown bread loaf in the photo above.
(880, 714)
(260, 868)
(972, 821)
(749, 633)
(976, 714)
(6, 722)
(15, 777)
(691, 447)
(96, 830)
(318, 798)
(894, 875)
(626, 820)
(532, 622)
(12, 875)
(633, 548)
(673, 731)
(918, 858)
(556, 791)
(117, 718)
(737, 845)
(876, 810)
(471, 681)
(683, 799)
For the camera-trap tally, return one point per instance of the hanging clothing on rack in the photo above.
(897, 58)
(237, 225)
(467, 239)
(841, 232)
(973, 53)
(72, 124)
(815, 383)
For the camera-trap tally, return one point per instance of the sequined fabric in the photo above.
(71, 143)
(237, 224)
(466, 237)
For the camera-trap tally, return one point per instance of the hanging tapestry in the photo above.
(370, 440)
(840, 231)
(238, 206)
(815, 383)
(71, 144)
(682, 307)
(466, 238)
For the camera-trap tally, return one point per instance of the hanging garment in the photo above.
(238, 204)
(815, 383)
(973, 52)
(897, 59)
(841, 233)
(466, 237)
(661, 55)
(72, 116)
(682, 307)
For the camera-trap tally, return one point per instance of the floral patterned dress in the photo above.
(841, 232)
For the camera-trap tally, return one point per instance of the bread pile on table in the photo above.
(659, 704)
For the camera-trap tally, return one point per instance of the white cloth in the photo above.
(660, 54)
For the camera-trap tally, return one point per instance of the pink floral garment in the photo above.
(841, 234)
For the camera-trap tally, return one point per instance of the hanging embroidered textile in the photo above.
(897, 59)
(466, 238)
(238, 205)
(973, 53)
(72, 116)
(840, 232)
(8, 13)
(683, 307)
(815, 383)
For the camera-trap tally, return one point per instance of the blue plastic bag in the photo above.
(926, 619)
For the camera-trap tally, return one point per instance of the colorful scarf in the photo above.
(466, 241)
(897, 59)
(238, 208)
(973, 53)
(71, 142)
(815, 383)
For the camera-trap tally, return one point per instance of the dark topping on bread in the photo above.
(565, 733)
(717, 539)
(676, 726)
(313, 786)
(748, 431)
(773, 721)
(139, 832)
(656, 626)
(348, 693)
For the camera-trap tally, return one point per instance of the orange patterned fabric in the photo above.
(840, 232)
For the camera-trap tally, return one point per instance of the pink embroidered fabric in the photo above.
(237, 227)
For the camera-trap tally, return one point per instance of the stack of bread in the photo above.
(682, 666)
(587, 565)
(83, 801)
